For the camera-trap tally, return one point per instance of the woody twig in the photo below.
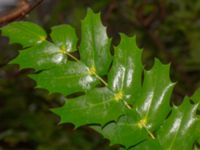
(22, 9)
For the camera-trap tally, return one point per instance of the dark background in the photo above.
(167, 29)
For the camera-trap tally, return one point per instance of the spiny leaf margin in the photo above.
(128, 110)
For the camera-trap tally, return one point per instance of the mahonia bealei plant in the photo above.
(121, 100)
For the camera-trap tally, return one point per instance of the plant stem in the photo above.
(101, 79)
(149, 132)
(97, 76)
(73, 57)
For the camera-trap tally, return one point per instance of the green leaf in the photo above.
(109, 107)
(45, 55)
(148, 145)
(180, 130)
(97, 106)
(66, 79)
(126, 72)
(41, 56)
(24, 33)
(150, 110)
(125, 131)
(118, 98)
(153, 105)
(64, 36)
(196, 97)
(57, 74)
(95, 44)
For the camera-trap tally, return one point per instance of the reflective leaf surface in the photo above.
(64, 36)
(95, 43)
(97, 106)
(181, 128)
(114, 95)
(66, 79)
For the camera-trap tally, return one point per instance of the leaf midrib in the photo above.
(93, 105)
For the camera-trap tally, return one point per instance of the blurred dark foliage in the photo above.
(167, 29)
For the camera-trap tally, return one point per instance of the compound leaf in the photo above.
(151, 108)
(109, 107)
(118, 98)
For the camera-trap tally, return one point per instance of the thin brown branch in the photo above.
(22, 9)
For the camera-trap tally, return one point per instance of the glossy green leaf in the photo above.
(24, 33)
(64, 36)
(153, 105)
(150, 109)
(57, 73)
(125, 131)
(118, 98)
(66, 79)
(41, 56)
(180, 130)
(95, 44)
(126, 72)
(98, 106)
